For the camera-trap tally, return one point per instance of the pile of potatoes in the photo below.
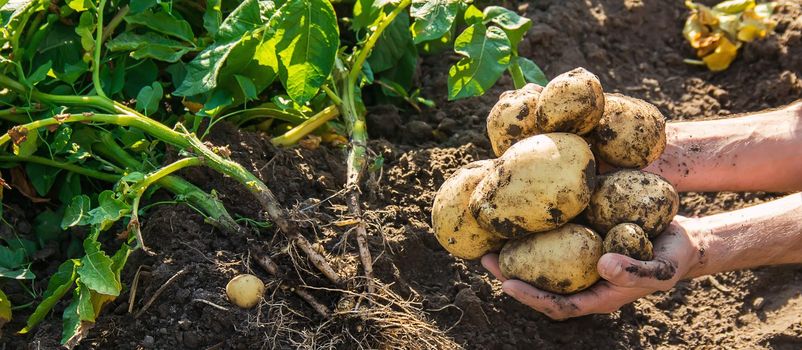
(542, 202)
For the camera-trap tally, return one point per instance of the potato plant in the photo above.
(534, 195)
(94, 91)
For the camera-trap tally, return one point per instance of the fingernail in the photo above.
(610, 268)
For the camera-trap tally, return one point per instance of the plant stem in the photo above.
(216, 213)
(115, 21)
(98, 46)
(63, 165)
(167, 170)
(517, 74)
(17, 115)
(332, 95)
(297, 133)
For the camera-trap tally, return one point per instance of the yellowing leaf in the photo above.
(734, 6)
(721, 58)
(693, 30)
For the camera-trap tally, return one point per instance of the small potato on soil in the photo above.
(630, 134)
(513, 118)
(559, 261)
(630, 240)
(571, 102)
(635, 196)
(538, 185)
(245, 290)
(454, 227)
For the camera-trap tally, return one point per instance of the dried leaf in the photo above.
(20, 181)
(721, 58)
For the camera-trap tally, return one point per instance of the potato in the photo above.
(454, 227)
(572, 102)
(559, 261)
(630, 240)
(633, 196)
(245, 290)
(513, 118)
(630, 134)
(537, 185)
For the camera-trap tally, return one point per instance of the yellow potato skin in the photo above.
(572, 102)
(537, 185)
(245, 290)
(630, 134)
(630, 240)
(635, 196)
(559, 261)
(454, 227)
(512, 118)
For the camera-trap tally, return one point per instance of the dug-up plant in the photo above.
(96, 91)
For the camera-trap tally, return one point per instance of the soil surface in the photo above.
(634, 46)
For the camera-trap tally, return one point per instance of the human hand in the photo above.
(624, 279)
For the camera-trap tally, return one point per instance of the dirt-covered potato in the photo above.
(572, 102)
(454, 227)
(537, 185)
(559, 261)
(630, 134)
(512, 118)
(633, 196)
(630, 240)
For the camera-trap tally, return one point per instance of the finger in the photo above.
(552, 305)
(623, 271)
(490, 263)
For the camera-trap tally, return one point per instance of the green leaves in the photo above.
(77, 212)
(13, 264)
(307, 38)
(163, 22)
(433, 18)
(487, 54)
(95, 270)
(532, 72)
(513, 25)
(150, 45)
(58, 285)
(147, 101)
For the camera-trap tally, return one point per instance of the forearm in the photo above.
(760, 152)
(765, 234)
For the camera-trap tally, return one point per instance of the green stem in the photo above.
(167, 170)
(217, 214)
(356, 68)
(115, 21)
(297, 133)
(18, 115)
(63, 165)
(332, 95)
(98, 47)
(517, 74)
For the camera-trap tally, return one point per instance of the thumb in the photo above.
(624, 271)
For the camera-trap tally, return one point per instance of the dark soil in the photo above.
(634, 46)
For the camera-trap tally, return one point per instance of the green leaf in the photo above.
(80, 5)
(42, 177)
(71, 321)
(307, 40)
(532, 72)
(77, 213)
(40, 73)
(149, 45)
(138, 6)
(95, 270)
(142, 74)
(86, 30)
(147, 101)
(246, 17)
(433, 18)
(248, 89)
(177, 71)
(17, 274)
(70, 187)
(212, 17)
(110, 209)
(58, 285)
(392, 45)
(5, 309)
(202, 72)
(62, 46)
(164, 23)
(27, 245)
(514, 25)
(487, 55)
(403, 72)
(85, 310)
(61, 141)
(11, 258)
(47, 226)
(28, 146)
(473, 15)
(366, 12)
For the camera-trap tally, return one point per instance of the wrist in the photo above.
(701, 239)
